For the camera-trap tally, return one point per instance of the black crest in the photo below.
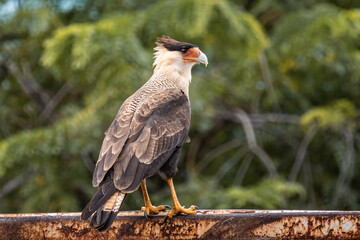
(173, 45)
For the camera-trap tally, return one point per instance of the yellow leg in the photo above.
(177, 208)
(149, 208)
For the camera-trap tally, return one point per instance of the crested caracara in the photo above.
(146, 136)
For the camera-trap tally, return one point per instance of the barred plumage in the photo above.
(147, 133)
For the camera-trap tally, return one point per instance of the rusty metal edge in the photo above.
(200, 212)
(207, 224)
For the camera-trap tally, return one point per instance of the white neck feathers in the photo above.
(171, 63)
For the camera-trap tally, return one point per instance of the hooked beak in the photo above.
(202, 59)
(195, 55)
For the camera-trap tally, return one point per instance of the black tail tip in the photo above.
(85, 214)
(102, 220)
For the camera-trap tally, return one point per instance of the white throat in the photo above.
(172, 64)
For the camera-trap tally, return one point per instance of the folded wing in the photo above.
(144, 134)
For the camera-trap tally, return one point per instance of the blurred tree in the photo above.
(274, 116)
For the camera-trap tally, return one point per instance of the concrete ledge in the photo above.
(207, 224)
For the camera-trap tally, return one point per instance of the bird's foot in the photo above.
(181, 210)
(150, 210)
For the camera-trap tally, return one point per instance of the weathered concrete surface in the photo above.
(207, 224)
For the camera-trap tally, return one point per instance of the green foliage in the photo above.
(205, 192)
(66, 136)
(327, 39)
(267, 193)
(81, 59)
(75, 47)
(336, 115)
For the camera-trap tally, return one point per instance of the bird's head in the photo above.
(180, 55)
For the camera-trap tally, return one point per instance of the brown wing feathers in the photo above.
(163, 130)
(115, 138)
(137, 144)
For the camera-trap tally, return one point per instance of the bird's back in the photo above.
(147, 133)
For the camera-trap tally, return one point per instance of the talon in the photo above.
(150, 210)
(145, 214)
(193, 207)
(177, 208)
(181, 210)
(167, 206)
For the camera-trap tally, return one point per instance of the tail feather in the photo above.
(105, 215)
(102, 220)
(104, 206)
(97, 201)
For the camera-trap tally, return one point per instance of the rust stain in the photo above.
(312, 227)
(207, 224)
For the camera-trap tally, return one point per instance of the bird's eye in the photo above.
(184, 50)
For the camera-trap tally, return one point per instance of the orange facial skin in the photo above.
(191, 55)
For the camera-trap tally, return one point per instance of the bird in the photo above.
(146, 136)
